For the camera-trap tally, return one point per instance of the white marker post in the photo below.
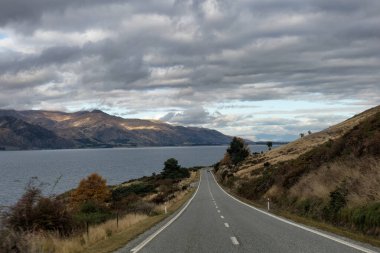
(166, 210)
(268, 204)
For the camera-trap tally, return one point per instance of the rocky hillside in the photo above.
(332, 176)
(47, 129)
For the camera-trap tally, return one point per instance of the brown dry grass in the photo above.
(53, 243)
(298, 147)
(361, 176)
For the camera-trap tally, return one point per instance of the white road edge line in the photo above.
(354, 246)
(152, 236)
(234, 240)
(226, 225)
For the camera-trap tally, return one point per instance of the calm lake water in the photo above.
(117, 165)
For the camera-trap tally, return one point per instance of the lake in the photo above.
(117, 165)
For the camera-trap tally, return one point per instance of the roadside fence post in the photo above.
(87, 230)
(117, 219)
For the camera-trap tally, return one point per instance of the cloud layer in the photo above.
(182, 58)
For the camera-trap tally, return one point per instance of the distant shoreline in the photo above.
(140, 146)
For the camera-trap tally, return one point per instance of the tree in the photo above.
(309, 132)
(91, 189)
(269, 144)
(238, 150)
(173, 170)
(302, 135)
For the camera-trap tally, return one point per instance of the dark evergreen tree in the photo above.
(269, 144)
(173, 170)
(238, 150)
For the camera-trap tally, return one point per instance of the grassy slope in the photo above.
(310, 222)
(335, 181)
(121, 238)
(298, 147)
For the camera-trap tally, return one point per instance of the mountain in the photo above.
(91, 129)
(332, 176)
(15, 132)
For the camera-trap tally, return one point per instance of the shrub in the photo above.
(138, 189)
(159, 198)
(310, 207)
(164, 196)
(34, 212)
(90, 212)
(226, 160)
(336, 203)
(216, 166)
(254, 188)
(142, 207)
(364, 218)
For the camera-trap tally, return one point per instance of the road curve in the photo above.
(215, 222)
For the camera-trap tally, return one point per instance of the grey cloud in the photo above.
(165, 54)
(246, 32)
(192, 116)
(19, 11)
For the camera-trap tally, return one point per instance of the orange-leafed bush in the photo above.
(91, 189)
(226, 160)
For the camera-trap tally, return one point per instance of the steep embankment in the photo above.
(333, 175)
(98, 129)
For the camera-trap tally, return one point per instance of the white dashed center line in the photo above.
(226, 225)
(222, 216)
(218, 211)
(234, 240)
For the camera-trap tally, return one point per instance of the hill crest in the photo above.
(91, 129)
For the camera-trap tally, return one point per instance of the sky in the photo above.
(259, 69)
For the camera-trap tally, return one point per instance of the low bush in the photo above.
(92, 213)
(34, 212)
(138, 189)
(336, 203)
(142, 207)
(311, 207)
(365, 218)
(254, 188)
(266, 164)
(159, 199)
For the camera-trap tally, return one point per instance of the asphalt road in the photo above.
(215, 222)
